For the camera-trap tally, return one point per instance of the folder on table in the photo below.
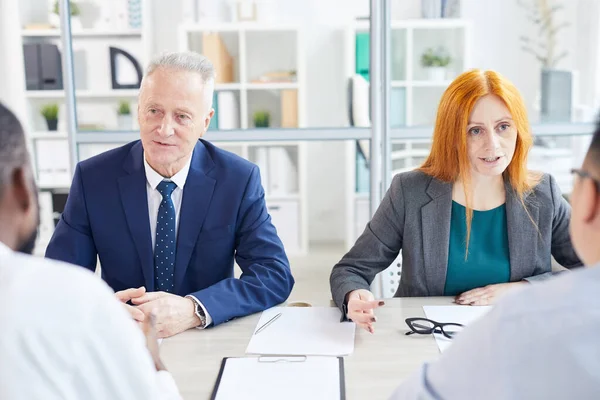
(290, 378)
(303, 331)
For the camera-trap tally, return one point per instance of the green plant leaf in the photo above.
(50, 111)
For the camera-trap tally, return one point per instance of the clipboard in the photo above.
(278, 377)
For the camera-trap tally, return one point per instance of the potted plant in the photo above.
(124, 118)
(54, 17)
(545, 46)
(262, 119)
(50, 113)
(435, 62)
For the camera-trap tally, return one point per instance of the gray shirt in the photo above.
(540, 342)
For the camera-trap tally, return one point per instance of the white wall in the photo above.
(12, 82)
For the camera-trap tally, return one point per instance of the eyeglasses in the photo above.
(424, 326)
(584, 174)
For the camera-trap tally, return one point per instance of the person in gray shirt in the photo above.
(540, 342)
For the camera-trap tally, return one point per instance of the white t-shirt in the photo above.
(540, 342)
(63, 335)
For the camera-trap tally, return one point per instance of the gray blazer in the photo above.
(414, 216)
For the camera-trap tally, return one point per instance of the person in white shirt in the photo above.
(541, 342)
(63, 333)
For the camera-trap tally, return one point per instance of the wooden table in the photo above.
(377, 366)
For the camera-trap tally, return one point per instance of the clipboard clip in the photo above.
(283, 359)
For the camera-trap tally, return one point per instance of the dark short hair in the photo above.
(13, 146)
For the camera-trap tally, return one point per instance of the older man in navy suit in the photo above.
(167, 215)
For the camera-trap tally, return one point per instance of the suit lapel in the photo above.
(435, 220)
(134, 198)
(197, 195)
(522, 234)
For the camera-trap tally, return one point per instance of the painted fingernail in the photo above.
(373, 319)
(382, 303)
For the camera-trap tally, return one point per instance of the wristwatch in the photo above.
(200, 314)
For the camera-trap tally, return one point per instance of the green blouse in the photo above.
(488, 259)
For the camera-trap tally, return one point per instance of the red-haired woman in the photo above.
(472, 221)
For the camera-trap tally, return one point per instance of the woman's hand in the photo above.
(361, 304)
(486, 295)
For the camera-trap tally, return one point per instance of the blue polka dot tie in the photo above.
(164, 250)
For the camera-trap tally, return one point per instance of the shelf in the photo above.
(85, 33)
(272, 86)
(48, 135)
(82, 94)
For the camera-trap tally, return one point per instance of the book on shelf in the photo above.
(278, 171)
(289, 108)
(214, 122)
(214, 48)
(228, 116)
(52, 161)
(262, 161)
(283, 176)
(276, 77)
(41, 26)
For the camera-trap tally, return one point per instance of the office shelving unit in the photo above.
(97, 101)
(414, 98)
(255, 50)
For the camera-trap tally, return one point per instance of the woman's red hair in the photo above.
(448, 160)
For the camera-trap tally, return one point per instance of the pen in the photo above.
(269, 322)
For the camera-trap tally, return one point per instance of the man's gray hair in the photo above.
(185, 61)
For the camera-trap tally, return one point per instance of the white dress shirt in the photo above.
(540, 342)
(65, 336)
(153, 178)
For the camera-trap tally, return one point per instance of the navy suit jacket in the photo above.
(223, 215)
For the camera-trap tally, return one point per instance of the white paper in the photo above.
(249, 378)
(303, 331)
(464, 315)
